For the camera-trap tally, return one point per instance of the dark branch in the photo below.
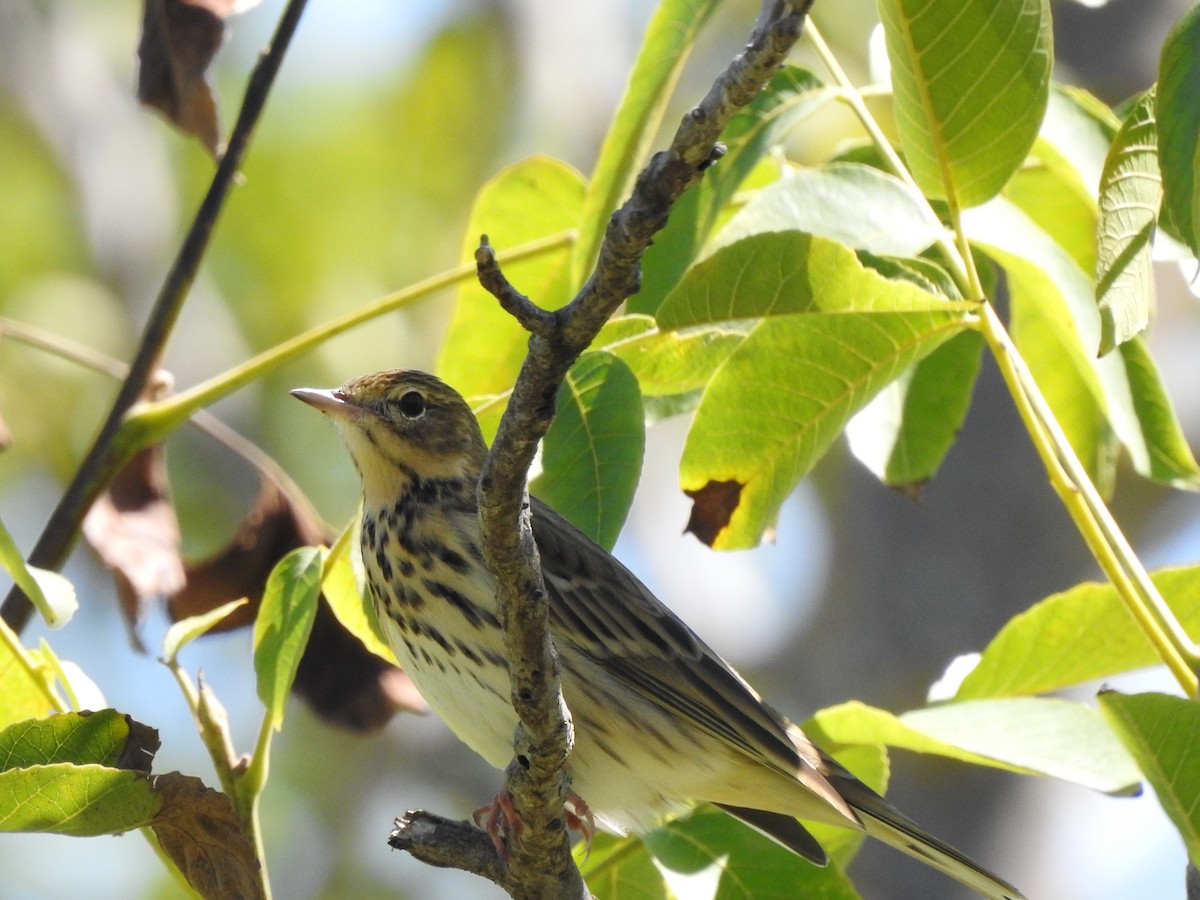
(541, 864)
(532, 317)
(447, 844)
(105, 457)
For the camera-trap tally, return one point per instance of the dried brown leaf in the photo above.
(133, 529)
(178, 43)
(202, 833)
(341, 680)
(279, 521)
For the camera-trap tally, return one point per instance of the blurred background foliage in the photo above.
(387, 120)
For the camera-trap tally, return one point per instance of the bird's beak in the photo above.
(333, 403)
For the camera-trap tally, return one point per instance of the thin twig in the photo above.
(532, 317)
(541, 865)
(104, 459)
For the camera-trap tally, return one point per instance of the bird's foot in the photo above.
(580, 818)
(500, 820)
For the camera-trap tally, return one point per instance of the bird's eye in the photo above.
(412, 405)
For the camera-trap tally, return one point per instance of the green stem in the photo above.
(1089, 512)
(248, 793)
(1065, 472)
(151, 421)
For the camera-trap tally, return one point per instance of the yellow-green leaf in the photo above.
(284, 621)
(592, 455)
(1163, 733)
(970, 81)
(529, 200)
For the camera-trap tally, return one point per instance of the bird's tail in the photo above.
(884, 822)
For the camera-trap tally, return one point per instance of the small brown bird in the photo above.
(660, 719)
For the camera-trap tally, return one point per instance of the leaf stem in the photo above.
(1089, 512)
(150, 421)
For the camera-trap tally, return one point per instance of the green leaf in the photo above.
(710, 854)
(792, 95)
(100, 738)
(904, 433)
(343, 590)
(1163, 732)
(970, 82)
(51, 594)
(1130, 194)
(1030, 734)
(82, 801)
(667, 362)
(533, 199)
(285, 618)
(857, 205)
(592, 455)
(1057, 185)
(669, 39)
(25, 680)
(1079, 635)
(187, 630)
(1165, 455)
(620, 868)
(831, 335)
(1178, 117)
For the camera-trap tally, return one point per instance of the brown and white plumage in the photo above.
(661, 721)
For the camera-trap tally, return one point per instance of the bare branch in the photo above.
(532, 317)
(541, 864)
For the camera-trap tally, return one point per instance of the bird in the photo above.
(661, 721)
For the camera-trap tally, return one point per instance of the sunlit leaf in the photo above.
(1178, 118)
(665, 47)
(352, 605)
(1079, 635)
(904, 433)
(1163, 732)
(857, 205)
(50, 594)
(104, 737)
(1167, 457)
(592, 455)
(668, 362)
(284, 621)
(970, 82)
(533, 199)
(1130, 194)
(78, 800)
(187, 630)
(712, 851)
(1058, 185)
(831, 335)
(1056, 327)
(1032, 735)
(792, 95)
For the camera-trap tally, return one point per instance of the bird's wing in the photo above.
(609, 615)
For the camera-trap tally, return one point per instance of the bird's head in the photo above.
(402, 421)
